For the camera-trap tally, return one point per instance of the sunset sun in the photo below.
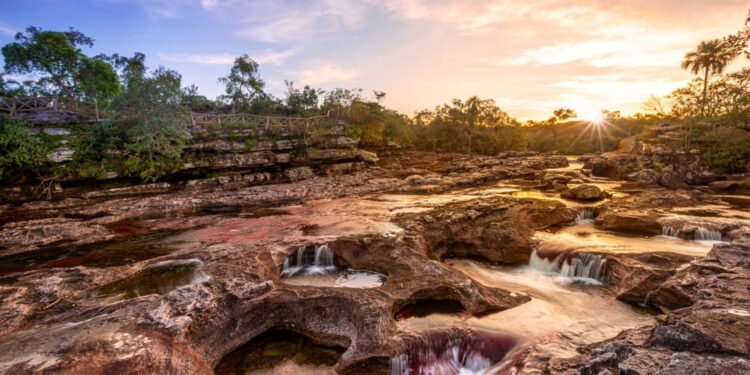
(594, 117)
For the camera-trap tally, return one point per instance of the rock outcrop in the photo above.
(705, 331)
(585, 193)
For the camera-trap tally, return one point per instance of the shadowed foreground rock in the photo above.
(706, 333)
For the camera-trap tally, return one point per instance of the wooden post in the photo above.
(13, 107)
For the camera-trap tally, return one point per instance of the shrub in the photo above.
(154, 147)
(725, 149)
(21, 153)
(99, 151)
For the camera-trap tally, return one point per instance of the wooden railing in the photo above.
(16, 106)
(198, 122)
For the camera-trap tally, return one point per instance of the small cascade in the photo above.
(585, 215)
(574, 266)
(704, 234)
(699, 233)
(320, 262)
(442, 354)
(669, 231)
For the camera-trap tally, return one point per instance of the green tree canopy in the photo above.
(243, 84)
(710, 57)
(302, 102)
(57, 58)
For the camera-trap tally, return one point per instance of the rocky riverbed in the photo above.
(413, 263)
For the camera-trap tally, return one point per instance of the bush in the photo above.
(154, 147)
(725, 149)
(99, 151)
(21, 153)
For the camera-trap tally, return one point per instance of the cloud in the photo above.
(8, 30)
(326, 72)
(264, 57)
(208, 4)
(162, 8)
(288, 21)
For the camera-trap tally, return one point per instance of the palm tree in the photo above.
(711, 57)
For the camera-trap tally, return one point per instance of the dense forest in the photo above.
(142, 138)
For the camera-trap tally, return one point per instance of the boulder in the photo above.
(585, 193)
(642, 222)
(648, 176)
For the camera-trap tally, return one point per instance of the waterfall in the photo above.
(704, 234)
(575, 266)
(320, 263)
(453, 356)
(585, 215)
(699, 234)
(669, 231)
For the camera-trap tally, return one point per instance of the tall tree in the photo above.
(710, 57)
(57, 57)
(243, 84)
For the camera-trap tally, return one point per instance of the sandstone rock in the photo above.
(648, 176)
(636, 276)
(585, 193)
(629, 221)
(670, 178)
(299, 173)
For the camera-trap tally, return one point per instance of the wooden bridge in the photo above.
(47, 109)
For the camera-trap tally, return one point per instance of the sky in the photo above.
(529, 56)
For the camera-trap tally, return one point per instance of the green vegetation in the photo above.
(21, 153)
(146, 129)
(64, 69)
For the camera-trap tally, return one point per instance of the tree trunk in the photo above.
(705, 89)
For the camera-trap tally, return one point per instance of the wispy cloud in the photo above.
(8, 30)
(326, 72)
(290, 21)
(208, 4)
(263, 57)
(162, 8)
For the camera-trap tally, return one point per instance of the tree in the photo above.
(655, 106)
(9, 87)
(710, 57)
(19, 152)
(562, 114)
(302, 102)
(98, 80)
(243, 84)
(56, 56)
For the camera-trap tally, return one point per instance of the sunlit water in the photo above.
(562, 314)
(587, 238)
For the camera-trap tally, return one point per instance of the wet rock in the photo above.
(585, 193)
(636, 276)
(706, 333)
(734, 185)
(496, 229)
(671, 178)
(629, 221)
(648, 176)
(30, 235)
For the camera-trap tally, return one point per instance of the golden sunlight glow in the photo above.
(595, 117)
